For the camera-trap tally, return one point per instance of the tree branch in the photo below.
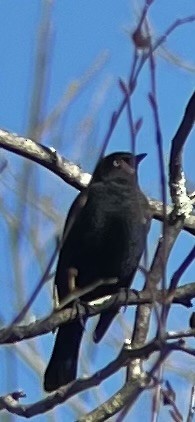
(69, 172)
(47, 157)
(179, 195)
(129, 392)
(127, 395)
(15, 333)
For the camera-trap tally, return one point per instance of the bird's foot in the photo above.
(77, 304)
(78, 307)
(126, 292)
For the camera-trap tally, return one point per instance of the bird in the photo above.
(104, 237)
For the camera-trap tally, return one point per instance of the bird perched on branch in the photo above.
(104, 237)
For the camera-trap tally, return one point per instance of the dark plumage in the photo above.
(105, 235)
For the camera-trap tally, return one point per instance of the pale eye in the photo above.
(116, 163)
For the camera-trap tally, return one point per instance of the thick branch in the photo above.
(157, 208)
(179, 140)
(46, 157)
(69, 172)
(128, 394)
(15, 333)
(176, 178)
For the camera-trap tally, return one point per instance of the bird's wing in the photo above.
(72, 216)
(73, 213)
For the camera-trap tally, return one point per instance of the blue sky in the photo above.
(81, 32)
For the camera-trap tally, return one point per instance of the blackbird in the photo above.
(104, 237)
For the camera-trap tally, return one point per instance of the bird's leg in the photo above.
(55, 297)
(71, 296)
(71, 280)
(72, 274)
(55, 301)
(126, 291)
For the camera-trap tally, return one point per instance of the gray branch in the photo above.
(68, 171)
(15, 333)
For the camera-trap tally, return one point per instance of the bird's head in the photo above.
(118, 164)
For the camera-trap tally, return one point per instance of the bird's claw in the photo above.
(126, 291)
(78, 306)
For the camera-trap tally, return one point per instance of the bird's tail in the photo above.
(103, 324)
(62, 366)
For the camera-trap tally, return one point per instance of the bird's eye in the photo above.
(116, 163)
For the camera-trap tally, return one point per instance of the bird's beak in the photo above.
(140, 157)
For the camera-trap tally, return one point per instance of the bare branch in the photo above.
(191, 406)
(165, 245)
(114, 404)
(69, 172)
(10, 402)
(15, 333)
(179, 195)
(61, 395)
(173, 335)
(168, 397)
(157, 208)
(45, 156)
(133, 388)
